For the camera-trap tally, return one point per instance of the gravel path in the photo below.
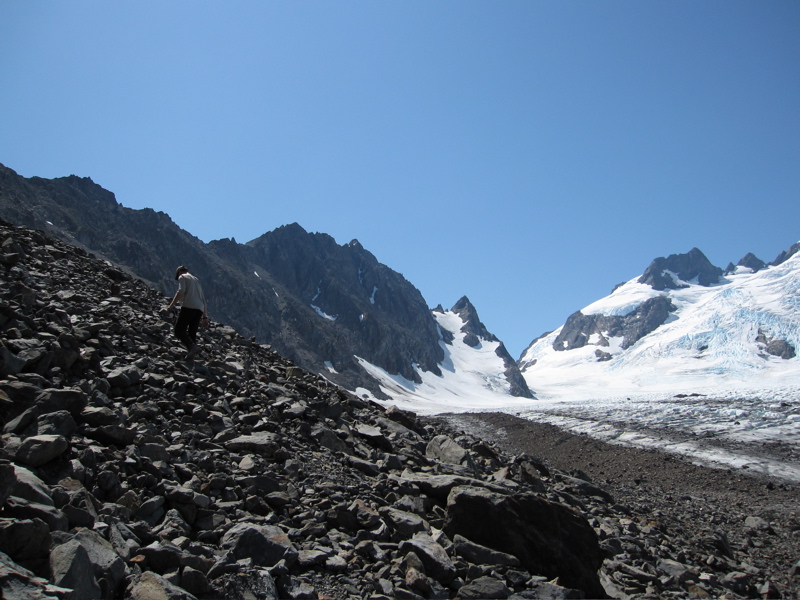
(688, 499)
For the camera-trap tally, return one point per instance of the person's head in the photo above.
(181, 270)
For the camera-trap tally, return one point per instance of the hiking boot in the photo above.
(193, 351)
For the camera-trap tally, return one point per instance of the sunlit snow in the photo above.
(322, 313)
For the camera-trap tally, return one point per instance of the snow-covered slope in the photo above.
(728, 335)
(473, 376)
(714, 376)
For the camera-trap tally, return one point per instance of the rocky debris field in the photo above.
(127, 471)
(752, 518)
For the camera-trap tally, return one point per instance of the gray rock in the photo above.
(18, 583)
(444, 449)
(10, 363)
(38, 450)
(151, 586)
(29, 487)
(195, 582)
(435, 559)
(328, 439)
(403, 524)
(585, 488)
(57, 423)
(295, 589)
(20, 508)
(71, 568)
(673, 568)
(109, 568)
(438, 486)
(111, 435)
(71, 400)
(263, 443)
(162, 557)
(687, 267)
(374, 436)
(97, 416)
(482, 555)
(484, 588)
(124, 377)
(266, 545)
(24, 539)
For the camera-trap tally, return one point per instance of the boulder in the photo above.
(71, 400)
(443, 448)
(151, 586)
(28, 486)
(38, 450)
(71, 568)
(24, 540)
(432, 555)
(484, 588)
(265, 544)
(263, 442)
(549, 539)
(57, 423)
(109, 569)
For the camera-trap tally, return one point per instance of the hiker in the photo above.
(193, 310)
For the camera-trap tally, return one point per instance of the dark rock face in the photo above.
(579, 328)
(313, 300)
(687, 267)
(357, 305)
(475, 331)
(775, 347)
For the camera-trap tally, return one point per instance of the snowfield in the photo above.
(472, 378)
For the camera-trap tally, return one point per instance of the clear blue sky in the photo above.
(528, 154)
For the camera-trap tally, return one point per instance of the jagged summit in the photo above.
(662, 272)
(786, 255)
(751, 261)
(474, 329)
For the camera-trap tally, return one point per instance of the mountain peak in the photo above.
(751, 261)
(473, 326)
(662, 272)
(786, 255)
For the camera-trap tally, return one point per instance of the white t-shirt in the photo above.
(191, 292)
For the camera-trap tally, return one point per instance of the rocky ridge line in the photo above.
(127, 472)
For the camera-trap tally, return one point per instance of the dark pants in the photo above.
(187, 324)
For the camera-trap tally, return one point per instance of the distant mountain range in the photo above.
(330, 308)
(683, 325)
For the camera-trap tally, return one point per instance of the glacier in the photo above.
(700, 385)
